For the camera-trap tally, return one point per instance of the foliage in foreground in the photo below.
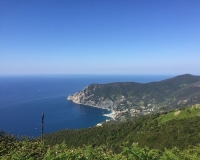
(170, 136)
(11, 148)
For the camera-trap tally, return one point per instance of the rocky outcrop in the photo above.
(83, 97)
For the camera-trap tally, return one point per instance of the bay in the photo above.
(24, 98)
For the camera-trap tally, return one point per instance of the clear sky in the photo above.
(100, 37)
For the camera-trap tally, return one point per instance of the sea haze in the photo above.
(24, 98)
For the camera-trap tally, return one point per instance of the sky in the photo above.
(129, 37)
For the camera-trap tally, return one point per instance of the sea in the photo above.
(23, 99)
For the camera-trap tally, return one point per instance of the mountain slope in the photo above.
(136, 98)
(158, 131)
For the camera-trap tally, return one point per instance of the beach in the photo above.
(111, 115)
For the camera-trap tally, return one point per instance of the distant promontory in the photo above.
(131, 98)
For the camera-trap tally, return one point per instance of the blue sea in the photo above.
(24, 98)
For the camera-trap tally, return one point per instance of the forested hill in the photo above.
(135, 98)
(173, 135)
(178, 128)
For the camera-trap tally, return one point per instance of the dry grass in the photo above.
(196, 106)
(177, 113)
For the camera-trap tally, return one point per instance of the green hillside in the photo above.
(172, 135)
(130, 99)
(153, 131)
(190, 112)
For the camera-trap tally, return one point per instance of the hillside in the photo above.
(173, 135)
(178, 128)
(130, 98)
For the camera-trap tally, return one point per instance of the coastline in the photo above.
(110, 115)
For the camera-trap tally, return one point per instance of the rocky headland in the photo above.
(86, 98)
(127, 99)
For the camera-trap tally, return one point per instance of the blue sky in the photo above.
(99, 37)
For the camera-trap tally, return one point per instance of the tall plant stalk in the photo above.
(42, 130)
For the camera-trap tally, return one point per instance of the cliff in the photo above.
(86, 97)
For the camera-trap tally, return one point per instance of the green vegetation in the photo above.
(156, 131)
(174, 135)
(180, 114)
(11, 148)
(131, 99)
(30, 150)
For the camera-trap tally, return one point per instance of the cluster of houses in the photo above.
(133, 111)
